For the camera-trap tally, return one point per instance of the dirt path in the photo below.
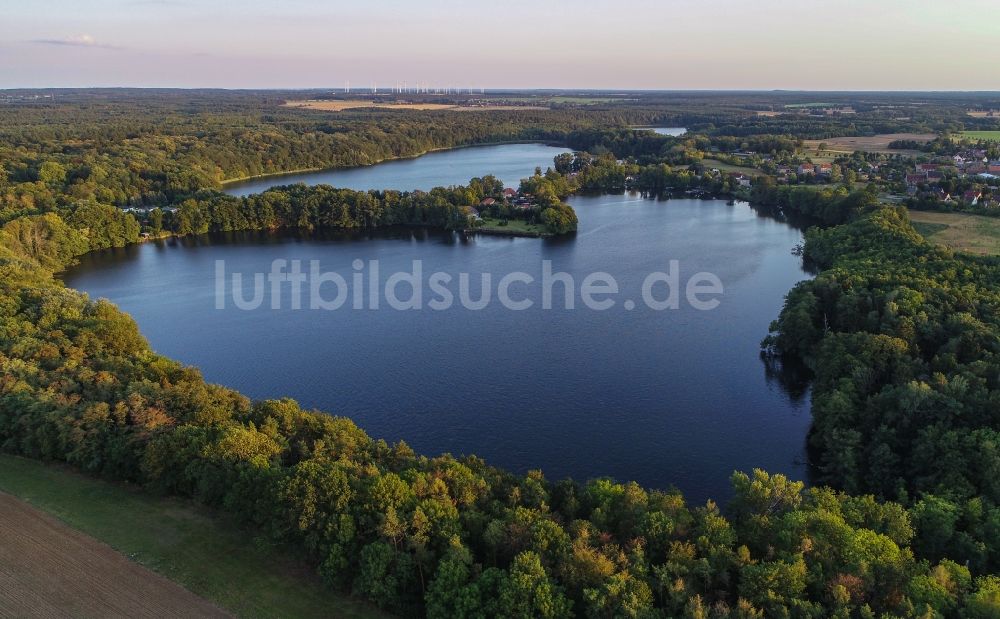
(48, 569)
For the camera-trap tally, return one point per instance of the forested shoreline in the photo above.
(902, 336)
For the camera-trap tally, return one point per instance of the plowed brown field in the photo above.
(48, 569)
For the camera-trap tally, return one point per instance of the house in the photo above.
(935, 176)
(975, 168)
(824, 168)
(972, 197)
(928, 167)
(509, 193)
(912, 180)
(488, 202)
(740, 179)
(470, 214)
(807, 168)
(993, 167)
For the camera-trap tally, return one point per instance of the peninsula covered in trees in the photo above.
(902, 336)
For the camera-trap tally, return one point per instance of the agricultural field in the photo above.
(974, 234)
(342, 105)
(50, 569)
(989, 136)
(64, 539)
(869, 144)
(728, 167)
(512, 227)
(547, 100)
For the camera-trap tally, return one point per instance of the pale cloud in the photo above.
(83, 40)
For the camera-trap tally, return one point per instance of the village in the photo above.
(968, 178)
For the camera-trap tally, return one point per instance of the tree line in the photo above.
(322, 206)
(904, 339)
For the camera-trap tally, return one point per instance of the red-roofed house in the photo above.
(509, 193)
(975, 168)
(972, 196)
(807, 168)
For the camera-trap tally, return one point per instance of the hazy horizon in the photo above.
(586, 45)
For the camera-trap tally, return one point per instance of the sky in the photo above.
(574, 44)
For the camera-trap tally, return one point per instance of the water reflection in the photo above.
(664, 398)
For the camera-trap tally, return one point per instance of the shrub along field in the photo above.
(990, 136)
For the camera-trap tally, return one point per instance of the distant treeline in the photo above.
(147, 151)
(145, 148)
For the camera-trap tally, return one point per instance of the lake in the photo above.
(508, 162)
(671, 131)
(664, 397)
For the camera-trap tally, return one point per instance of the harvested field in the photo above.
(199, 550)
(340, 106)
(869, 144)
(48, 569)
(974, 234)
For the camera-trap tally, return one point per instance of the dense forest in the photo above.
(153, 150)
(903, 337)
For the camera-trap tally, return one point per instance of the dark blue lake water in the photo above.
(671, 131)
(508, 162)
(672, 397)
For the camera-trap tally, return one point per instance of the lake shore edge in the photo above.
(232, 181)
